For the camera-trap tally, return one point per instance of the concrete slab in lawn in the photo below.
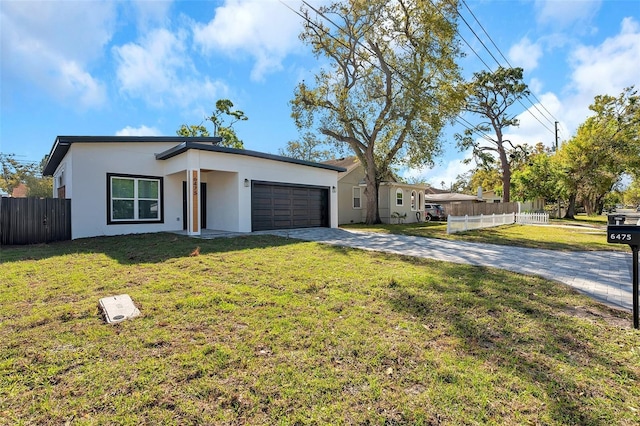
(118, 308)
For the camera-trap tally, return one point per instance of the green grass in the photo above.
(265, 330)
(577, 235)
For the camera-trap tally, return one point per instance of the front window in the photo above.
(413, 200)
(134, 199)
(357, 197)
(398, 197)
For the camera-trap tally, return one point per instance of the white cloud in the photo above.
(525, 54)
(537, 123)
(150, 12)
(606, 68)
(38, 46)
(266, 30)
(562, 14)
(139, 131)
(159, 70)
(609, 67)
(447, 173)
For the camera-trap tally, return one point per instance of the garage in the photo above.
(284, 206)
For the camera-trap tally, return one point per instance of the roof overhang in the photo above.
(188, 145)
(62, 145)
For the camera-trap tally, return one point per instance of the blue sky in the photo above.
(146, 67)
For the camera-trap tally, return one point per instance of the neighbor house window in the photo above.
(398, 197)
(134, 199)
(413, 200)
(357, 197)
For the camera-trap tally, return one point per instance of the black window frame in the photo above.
(160, 180)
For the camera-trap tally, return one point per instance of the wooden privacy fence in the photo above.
(34, 220)
(476, 209)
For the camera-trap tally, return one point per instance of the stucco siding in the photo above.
(347, 213)
(223, 200)
(91, 163)
(228, 199)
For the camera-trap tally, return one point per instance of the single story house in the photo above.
(132, 184)
(397, 201)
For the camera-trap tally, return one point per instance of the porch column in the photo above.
(193, 201)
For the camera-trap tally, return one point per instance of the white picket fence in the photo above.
(467, 223)
(532, 218)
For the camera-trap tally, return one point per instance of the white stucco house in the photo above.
(130, 184)
(394, 198)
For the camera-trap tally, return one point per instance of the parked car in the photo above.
(434, 212)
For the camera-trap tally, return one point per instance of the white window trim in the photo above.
(414, 200)
(353, 197)
(136, 199)
(399, 201)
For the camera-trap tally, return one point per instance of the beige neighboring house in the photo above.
(397, 202)
(489, 196)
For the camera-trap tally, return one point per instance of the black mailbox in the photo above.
(624, 234)
(628, 234)
(616, 219)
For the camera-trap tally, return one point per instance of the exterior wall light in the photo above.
(246, 183)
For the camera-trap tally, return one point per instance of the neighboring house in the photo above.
(535, 205)
(129, 184)
(394, 198)
(447, 199)
(20, 191)
(489, 196)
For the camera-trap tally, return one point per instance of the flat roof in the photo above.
(63, 143)
(187, 145)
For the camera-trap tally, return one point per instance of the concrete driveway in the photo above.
(605, 276)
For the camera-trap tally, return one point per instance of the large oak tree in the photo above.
(389, 86)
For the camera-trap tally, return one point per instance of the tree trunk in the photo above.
(371, 191)
(506, 170)
(571, 207)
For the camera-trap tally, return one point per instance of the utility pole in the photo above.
(556, 124)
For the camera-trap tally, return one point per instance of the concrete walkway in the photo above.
(605, 276)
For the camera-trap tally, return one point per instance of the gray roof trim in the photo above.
(63, 143)
(185, 146)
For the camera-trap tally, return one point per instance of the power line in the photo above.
(322, 15)
(499, 64)
(510, 66)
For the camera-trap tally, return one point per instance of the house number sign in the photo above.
(629, 234)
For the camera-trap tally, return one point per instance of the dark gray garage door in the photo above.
(282, 206)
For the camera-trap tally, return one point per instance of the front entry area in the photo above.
(284, 206)
(203, 205)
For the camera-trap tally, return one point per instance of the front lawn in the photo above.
(266, 330)
(560, 235)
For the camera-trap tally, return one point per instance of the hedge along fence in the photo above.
(467, 223)
(34, 220)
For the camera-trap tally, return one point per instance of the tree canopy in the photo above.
(391, 84)
(606, 147)
(223, 119)
(490, 95)
(15, 172)
(308, 148)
